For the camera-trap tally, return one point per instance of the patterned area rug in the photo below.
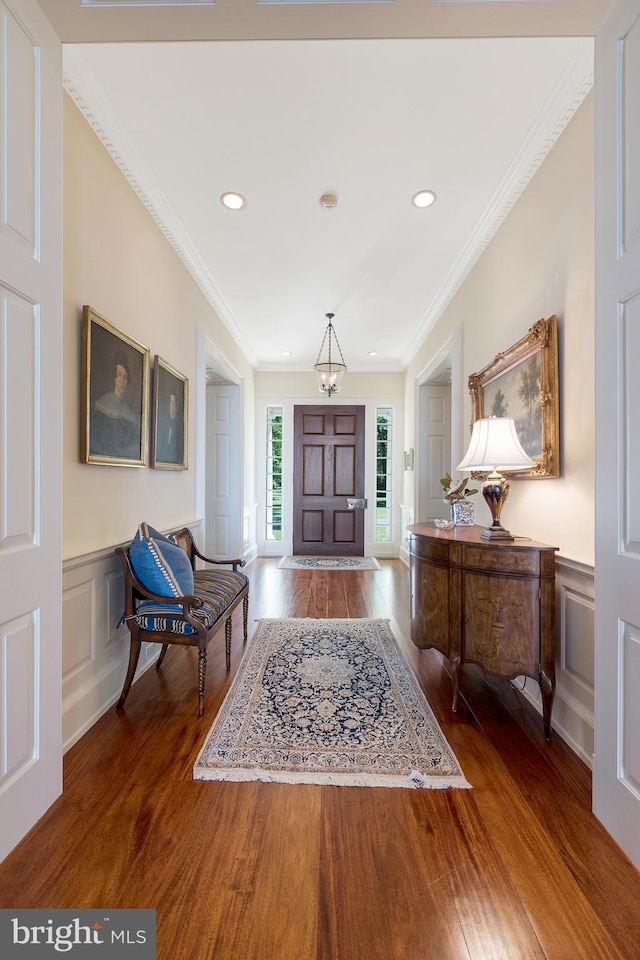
(328, 702)
(329, 563)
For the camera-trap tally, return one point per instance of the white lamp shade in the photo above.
(494, 443)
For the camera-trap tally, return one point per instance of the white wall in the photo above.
(117, 260)
(376, 386)
(540, 262)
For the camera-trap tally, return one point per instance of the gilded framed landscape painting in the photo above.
(115, 394)
(170, 416)
(522, 383)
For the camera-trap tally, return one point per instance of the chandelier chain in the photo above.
(331, 333)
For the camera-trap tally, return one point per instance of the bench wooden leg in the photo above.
(163, 652)
(134, 653)
(227, 640)
(245, 615)
(202, 673)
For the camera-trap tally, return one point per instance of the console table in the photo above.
(491, 603)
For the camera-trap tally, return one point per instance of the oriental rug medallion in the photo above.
(327, 702)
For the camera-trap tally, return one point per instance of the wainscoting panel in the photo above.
(573, 705)
(78, 604)
(406, 519)
(250, 533)
(95, 645)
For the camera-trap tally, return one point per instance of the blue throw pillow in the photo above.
(159, 564)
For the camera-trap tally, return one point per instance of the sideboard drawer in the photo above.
(501, 558)
(436, 550)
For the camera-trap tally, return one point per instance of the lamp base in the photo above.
(495, 491)
(496, 533)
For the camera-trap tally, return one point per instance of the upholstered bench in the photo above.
(168, 601)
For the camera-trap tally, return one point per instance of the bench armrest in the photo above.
(234, 563)
(185, 534)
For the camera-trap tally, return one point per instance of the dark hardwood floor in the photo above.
(515, 869)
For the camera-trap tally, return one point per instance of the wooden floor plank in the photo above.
(515, 869)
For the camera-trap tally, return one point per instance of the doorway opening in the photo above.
(223, 459)
(437, 435)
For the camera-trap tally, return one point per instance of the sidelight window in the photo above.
(273, 529)
(384, 475)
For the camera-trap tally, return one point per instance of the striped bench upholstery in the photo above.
(217, 588)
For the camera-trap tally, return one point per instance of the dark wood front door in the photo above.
(328, 471)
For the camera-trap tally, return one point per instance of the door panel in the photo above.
(329, 459)
(223, 511)
(435, 449)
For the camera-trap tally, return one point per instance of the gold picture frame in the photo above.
(522, 383)
(169, 417)
(114, 402)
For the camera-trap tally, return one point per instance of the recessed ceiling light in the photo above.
(372, 353)
(423, 198)
(233, 201)
(286, 353)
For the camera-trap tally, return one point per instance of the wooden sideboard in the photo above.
(491, 603)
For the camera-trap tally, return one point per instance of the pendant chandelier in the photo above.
(329, 370)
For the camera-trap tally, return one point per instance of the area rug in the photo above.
(327, 702)
(329, 563)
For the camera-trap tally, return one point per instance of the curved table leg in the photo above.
(163, 653)
(455, 679)
(547, 689)
(134, 653)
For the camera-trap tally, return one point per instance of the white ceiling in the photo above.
(371, 120)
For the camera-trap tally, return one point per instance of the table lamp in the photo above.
(495, 446)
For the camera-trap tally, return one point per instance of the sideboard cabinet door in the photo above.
(501, 620)
(430, 606)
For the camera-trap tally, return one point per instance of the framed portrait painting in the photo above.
(115, 394)
(169, 417)
(522, 383)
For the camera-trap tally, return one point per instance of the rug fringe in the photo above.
(415, 779)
